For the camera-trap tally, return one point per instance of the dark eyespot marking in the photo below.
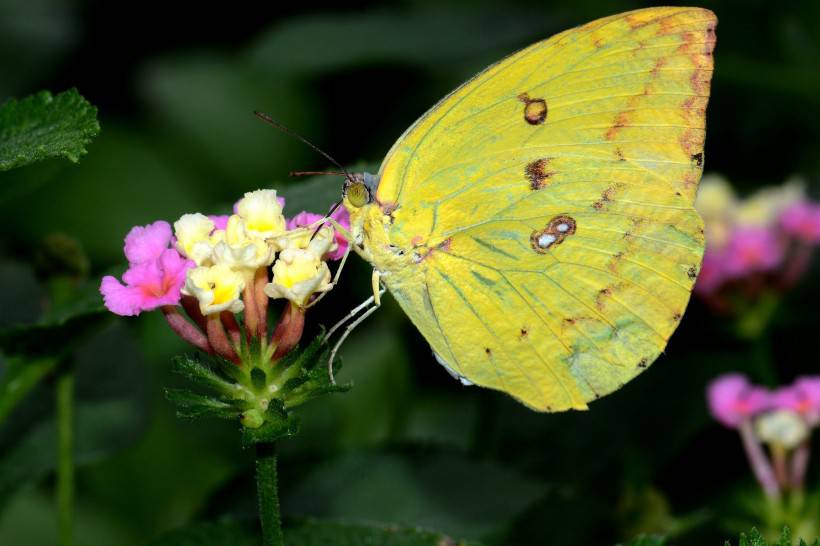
(539, 174)
(535, 110)
(558, 229)
(676, 317)
(524, 332)
(488, 351)
(698, 159)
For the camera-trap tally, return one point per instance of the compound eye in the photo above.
(357, 194)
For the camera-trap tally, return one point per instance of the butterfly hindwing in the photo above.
(549, 200)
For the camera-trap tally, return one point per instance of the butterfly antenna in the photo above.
(288, 131)
(314, 173)
(333, 208)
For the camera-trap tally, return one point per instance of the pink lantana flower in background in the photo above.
(733, 399)
(751, 250)
(782, 420)
(802, 221)
(155, 276)
(756, 248)
(304, 219)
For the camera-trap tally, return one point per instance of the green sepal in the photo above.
(209, 374)
(272, 430)
(191, 405)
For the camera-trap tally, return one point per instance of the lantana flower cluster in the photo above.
(221, 272)
(781, 419)
(753, 245)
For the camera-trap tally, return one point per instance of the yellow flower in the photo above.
(297, 275)
(302, 238)
(262, 214)
(217, 288)
(193, 233)
(240, 251)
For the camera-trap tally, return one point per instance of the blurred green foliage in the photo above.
(407, 445)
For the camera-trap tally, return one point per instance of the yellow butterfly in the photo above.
(536, 224)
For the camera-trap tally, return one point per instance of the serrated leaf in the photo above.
(42, 126)
(191, 405)
(327, 533)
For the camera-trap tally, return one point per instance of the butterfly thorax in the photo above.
(375, 240)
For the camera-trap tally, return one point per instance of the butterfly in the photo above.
(537, 224)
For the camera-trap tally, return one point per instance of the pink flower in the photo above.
(712, 274)
(148, 285)
(220, 222)
(752, 249)
(341, 215)
(146, 243)
(802, 220)
(732, 399)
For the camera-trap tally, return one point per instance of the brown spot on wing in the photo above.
(659, 64)
(539, 174)
(621, 120)
(606, 197)
(535, 110)
(599, 299)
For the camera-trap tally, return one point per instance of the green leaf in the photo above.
(644, 540)
(66, 321)
(308, 532)
(20, 375)
(43, 126)
(110, 412)
(325, 533)
(209, 534)
(436, 489)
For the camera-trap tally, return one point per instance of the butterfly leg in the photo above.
(335, 278)
(375, 300)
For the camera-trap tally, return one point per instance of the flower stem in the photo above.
(758, 461)
(268, 494)
(65, 457)
(800, 463)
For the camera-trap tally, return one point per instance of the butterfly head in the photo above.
(359, 189)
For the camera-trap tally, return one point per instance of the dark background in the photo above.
(176, 87)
